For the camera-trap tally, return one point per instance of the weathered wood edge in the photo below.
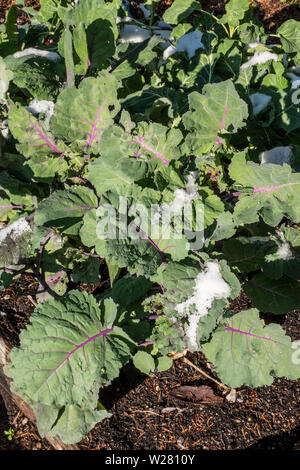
(9, 398)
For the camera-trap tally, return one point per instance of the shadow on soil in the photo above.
(283, 441)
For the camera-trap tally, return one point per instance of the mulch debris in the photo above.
(176, 409)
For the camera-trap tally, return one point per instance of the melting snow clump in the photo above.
(260, 58)
(285, 252)
(210, 285)
(45, 107)
(259, 102)
(277, 156)
(52, 56)
(184, 196)
(15, 231)
(188, 43)
(134, 34)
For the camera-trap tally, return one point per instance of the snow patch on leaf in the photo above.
(44, 107)
(259, 102)
(285, 252)
(134, 34)
(52, 56)
(277, 156)
(295, 80)
(260, 58)
(188, 43)
(15, 231)
(186, 196)
(209, 286)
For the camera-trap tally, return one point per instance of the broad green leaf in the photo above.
(118, 175)
(113, 270)
(163, 363)
(67, 46)
(273, 190)
(245, 352)
(44, 168)
(64, 210)
(179, 10)
(19, 193)
(32, 134)
(68, 351)
(214, 115)
(37, 80)
(246, 254)
(71, 424)
(83, 113)
(86, 271)
(235, 12)
(289, 33)
(275, 296)
(213, 208)
(129, 289)
(144, 362)
(222, 228)
(11, 30)
(49, 9)
(81, 49)
(75, 423)
(101, 42)
(289, 117)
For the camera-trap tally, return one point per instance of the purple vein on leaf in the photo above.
(248, 333)
(81, 345)
(94, 126)
(139, 140)
(43, 135)
(161, 253)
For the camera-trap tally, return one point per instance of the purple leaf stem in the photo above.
(140, 141)
(94, 126)
(268, 189)
(248, 333)
(42, 245)
(44, 137)
(161, 253)
(146, 343)
(81, 345)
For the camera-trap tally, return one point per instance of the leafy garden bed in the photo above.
(110, 119)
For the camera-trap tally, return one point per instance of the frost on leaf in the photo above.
(14, 242)
(277, 155)
(259, 102)
(209, 286)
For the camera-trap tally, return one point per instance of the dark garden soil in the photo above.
(148, 412)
